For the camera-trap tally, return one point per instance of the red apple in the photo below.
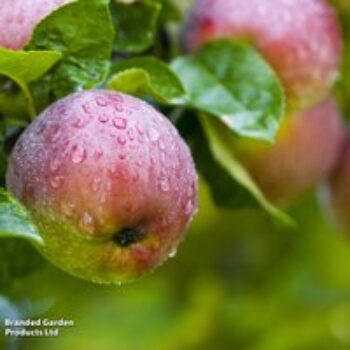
(299, 38)
(305, 152)
(109, 182)
(18, 19)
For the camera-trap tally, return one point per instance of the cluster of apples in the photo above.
(109, 181)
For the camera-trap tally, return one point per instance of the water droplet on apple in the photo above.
(87, 223)
(54, 133)
(164, 184)
(56, 181)
(153, 134)
(116, 98)
(161, 145)
(173, 253)
(80, 122)
(189, 207)
(40, 128)
(68, 208)
(78, 154)
(131, 134)
(87, 108)
(140, 129)
(120, 123)
(100, 101)
(119, 108)
(98, 153)
(55, 164)
(121, 139)
(96, 184)
(103, 118)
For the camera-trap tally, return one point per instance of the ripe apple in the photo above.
(299, 38)
(305, 152)
(108, 181)
(18, 19)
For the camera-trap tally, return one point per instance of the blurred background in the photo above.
(237, 282)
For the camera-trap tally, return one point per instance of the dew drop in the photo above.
(122, 156)
(140, 129)
(87, 223)
(120, 123)
(101, 101)
(161, 145)
(121, 140)
(119, 108)
(87, 108)
(116, 98)
(173, 253)
(153, 134)
(67, 208)
(131, 134)
(112, 170)
(78, 154)
(98, 153)
(103, 118)
(103, 198)
(123, 175)
(189, 208)
(55, 164)
(55, 133)
(80, 122)
(164, 184)
(40, 128)
(87, 219)
(191, 190)
(96, 184)
(62, 110)
(162, 157)
(56, 181)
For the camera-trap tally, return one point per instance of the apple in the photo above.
(18, 19)
(299, 38)
(108, 181)
(305, 152)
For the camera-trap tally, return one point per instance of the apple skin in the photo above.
(300, 38)
(18, 19)
(337, 199)
(109, 182)
(304, 153)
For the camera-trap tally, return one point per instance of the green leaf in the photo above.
(15, 221)
(170, 11)
(24, 67)
(18, 258)
(231, 81)
(219, 138)
(150, 76)
(135, 25)
(14, 104)
(83, 32)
